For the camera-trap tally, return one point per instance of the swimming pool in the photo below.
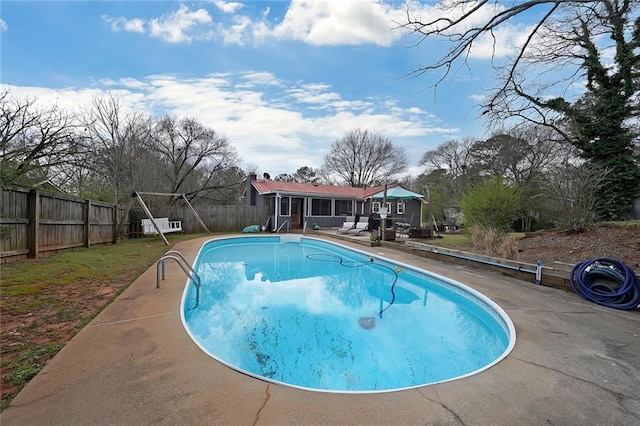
(320, 316)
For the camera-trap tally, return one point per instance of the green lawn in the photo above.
(459, 241)
(462, 241)
(48, 300)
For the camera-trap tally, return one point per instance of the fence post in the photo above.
(34, 223)
(87, 224)
(114, 220)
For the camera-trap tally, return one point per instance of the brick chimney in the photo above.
(252, 193)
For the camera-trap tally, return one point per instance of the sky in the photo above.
(282, 80)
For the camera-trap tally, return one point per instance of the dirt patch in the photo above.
(48, 326)
(622, 244)
(551, 246)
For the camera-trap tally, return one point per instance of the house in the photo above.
(301, 205)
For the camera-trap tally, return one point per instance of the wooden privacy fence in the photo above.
(34, 222)
(217, 218)
(232, 218)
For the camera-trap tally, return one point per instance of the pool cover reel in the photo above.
(606, 282)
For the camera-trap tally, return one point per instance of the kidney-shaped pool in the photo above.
(316, 315)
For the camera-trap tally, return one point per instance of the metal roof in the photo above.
(266, 187)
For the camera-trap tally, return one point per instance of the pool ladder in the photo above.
(184, 265)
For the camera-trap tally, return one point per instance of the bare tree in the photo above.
(455, 159)
(521, 154)
(363, 158)
(571, 192)
(117, 139)
(564, 36)
(225, 186)
(137, 167)
(34, 140)
(326, 176)
(592, 42)
(194, 157)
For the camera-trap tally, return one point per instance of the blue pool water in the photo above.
(316, 315)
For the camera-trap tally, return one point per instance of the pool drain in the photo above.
(367, 322)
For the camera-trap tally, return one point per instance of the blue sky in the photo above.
(281, 79)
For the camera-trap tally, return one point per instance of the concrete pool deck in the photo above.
(574, 363)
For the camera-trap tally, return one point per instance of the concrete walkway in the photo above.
(574, 363)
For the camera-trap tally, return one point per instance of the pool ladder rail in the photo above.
(184, 265)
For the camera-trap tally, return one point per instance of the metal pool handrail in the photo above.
(186, 268)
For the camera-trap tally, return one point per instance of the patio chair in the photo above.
(348, 225)
(359, 227)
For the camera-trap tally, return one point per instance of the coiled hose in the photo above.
(606, 282)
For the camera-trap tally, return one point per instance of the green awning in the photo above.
(397, 193)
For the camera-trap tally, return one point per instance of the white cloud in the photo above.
(236, 32)
(127, 82)
(227, 7)
(253, 79)
(330, 22)
(323, 23)
(3, 26)
(75, 100)
(478, 98)
(277, 125)
(123, 24)
(134, 26)
(173, 27)
(314, 94)
(315, 22)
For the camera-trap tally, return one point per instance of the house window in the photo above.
(284, 206)
(344, 208)
(400, 208)
(320, 207)
(375, 207)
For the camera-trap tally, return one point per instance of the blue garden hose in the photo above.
(606, 282)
